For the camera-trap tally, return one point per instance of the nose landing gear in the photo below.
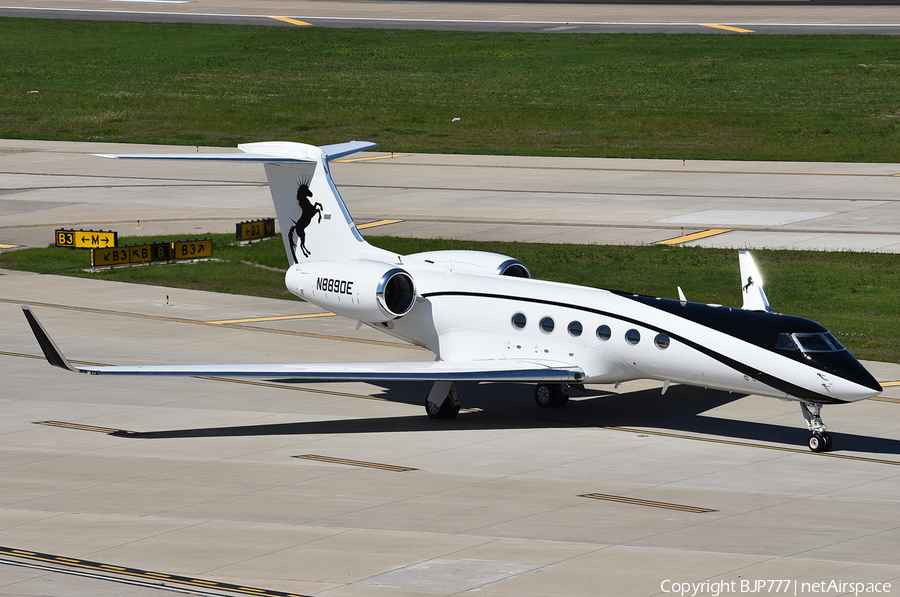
(819, 440)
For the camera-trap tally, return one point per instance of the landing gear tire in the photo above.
(820, 440)
(551, 395)
(816, 442)
(448, 409)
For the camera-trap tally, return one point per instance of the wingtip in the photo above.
(51, 352)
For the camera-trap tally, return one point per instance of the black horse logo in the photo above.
(748, 284)
(307, 211)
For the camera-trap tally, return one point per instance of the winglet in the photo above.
(51, 351)
(752, 285)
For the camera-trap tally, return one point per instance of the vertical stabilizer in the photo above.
(314, 221)
(752, 285)
(315, 224)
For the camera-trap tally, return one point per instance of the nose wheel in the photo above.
(819, 440)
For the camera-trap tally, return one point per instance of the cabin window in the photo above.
(604, 333)
(662, 341)
(632, 337)
(547, 325)
(519, 321)
(575, 329)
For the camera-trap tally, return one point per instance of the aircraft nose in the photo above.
(857, 382)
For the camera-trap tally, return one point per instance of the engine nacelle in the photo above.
(475, 262)
(363, 290)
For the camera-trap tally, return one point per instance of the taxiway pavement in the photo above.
(727, 18)
(299, 488)
(46, 185)
(221, 487)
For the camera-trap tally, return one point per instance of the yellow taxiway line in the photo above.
(727, 28)
(376, 157)
(122, 571)
(292, 21)
(278, 318)
(333, 460)
(637, 502)
(695, 236)
(378, 223)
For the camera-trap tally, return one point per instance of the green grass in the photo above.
(235, 268)
(828, 98)
(852, 294)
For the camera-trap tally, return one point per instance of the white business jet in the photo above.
(486, 320)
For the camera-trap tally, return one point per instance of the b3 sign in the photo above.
(86, 239)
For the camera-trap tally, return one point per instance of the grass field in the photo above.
(852, 294)
(826, 98)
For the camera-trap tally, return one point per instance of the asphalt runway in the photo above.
(766, 17)
(215, 487)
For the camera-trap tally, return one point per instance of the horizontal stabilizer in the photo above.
(207, 157)
(339, 150)
(272, 152)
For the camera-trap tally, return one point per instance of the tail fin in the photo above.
(315, 224)
(752, 285)
(314, 221)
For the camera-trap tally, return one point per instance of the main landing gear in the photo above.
(551, 395)
(819, 440)
(442, 401)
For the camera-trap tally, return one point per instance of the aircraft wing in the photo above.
(524, 370)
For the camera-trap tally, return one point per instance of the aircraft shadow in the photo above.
(511, 406)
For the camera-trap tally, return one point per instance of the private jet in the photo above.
(487, 320)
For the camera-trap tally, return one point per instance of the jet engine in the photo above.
(360, 289)
(475, 262)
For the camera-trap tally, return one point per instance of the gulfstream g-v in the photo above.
(486, 320)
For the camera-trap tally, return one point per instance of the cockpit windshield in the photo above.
(824, 342)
